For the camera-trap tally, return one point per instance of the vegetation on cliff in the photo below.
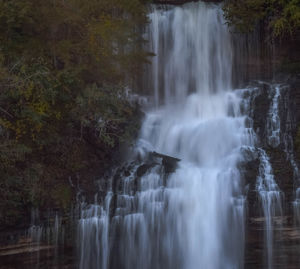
(64, 66)
(281, 17)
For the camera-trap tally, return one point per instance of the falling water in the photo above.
(296, 207)
(269, 192)
(288, 142)
(271, 201)
(193, 218)
(199, 123)
(93, 235)
(46, 236)
(194, 52)
(273, 120)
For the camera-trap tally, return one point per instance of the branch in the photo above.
(6, 112)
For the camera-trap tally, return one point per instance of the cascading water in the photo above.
(271, 201)
(268, 192)
(199, 123)
(273, 121)
(93, 235)
(193, 51)
(194, 218)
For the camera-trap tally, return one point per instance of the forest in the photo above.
(64, 66)
(280, 18)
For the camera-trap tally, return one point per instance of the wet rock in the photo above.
(285, 234)
(283, 172)
(261, 110)
(249, 172)
(144, 168)
(289, 118)
(169, 163)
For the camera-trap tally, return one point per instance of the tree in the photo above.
(281, 17)
(64, 66)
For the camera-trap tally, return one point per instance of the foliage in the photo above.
(282, 17)
(64, 66)
(290, 67)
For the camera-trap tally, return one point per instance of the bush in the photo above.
(280, 17)
(63, 69)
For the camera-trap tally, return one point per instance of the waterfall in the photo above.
(273, 120)
(46, 236)
(268, 192)
(200, 123)
(271, 201)
(93, 235)
(192, 217)
(193, 49)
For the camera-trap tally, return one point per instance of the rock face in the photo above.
(275, 112)
(169, 163)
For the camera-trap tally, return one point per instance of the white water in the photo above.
(197, 220)
(271, 198)
(271, 201)
(273, 120)
(269, 195)
(193, 51)
(296, 207)
(200, 123)
(93, 235)
(193, 218)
